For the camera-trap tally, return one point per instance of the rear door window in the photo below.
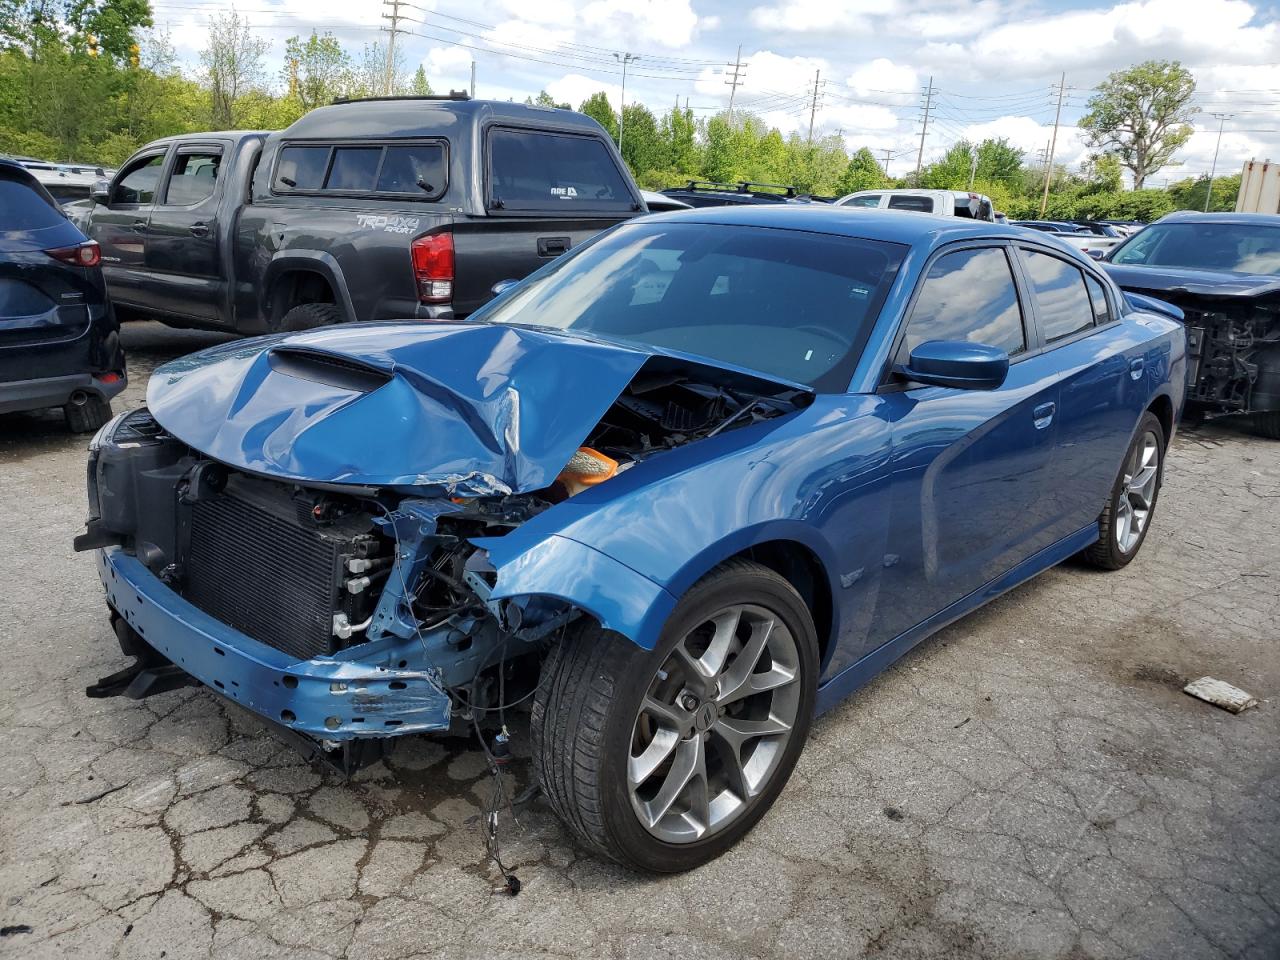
(553, 173)
(967, 295)
(194, 177)
(1065, 305)
(918, 204)
(138, 185)
(25, 205)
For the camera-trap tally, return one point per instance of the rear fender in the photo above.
(307, 261)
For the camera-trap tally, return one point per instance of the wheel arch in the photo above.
(1162, 406)
(298, 278)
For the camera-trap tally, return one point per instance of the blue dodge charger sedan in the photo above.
(676, 493)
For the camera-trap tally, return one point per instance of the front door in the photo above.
(120, 225)
(970, 467)
(182, 248)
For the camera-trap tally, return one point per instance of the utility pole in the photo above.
(473, 79)
(1222, 119)
(924, 130)
(888, 155)
(739, 77)
(624, 59)
(813, 106)
(395, 17)
(1053, 145)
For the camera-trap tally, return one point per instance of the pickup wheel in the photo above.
(86, 412)
(308, 315)
(663, 759)
(1127, 516)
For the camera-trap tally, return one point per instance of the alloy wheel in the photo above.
(714, 723)
(1137, 492)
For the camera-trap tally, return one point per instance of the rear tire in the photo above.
(602, 698)
(1266, 424)
(1131, 507)
(308, 315)
(87, 413)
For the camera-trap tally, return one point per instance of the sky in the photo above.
(993, 64)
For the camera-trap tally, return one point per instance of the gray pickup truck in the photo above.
(364, 210)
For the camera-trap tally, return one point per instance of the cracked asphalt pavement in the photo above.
(1030, 783)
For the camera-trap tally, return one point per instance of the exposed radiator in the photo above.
(268, 576)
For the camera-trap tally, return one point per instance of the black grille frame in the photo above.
(266, 572)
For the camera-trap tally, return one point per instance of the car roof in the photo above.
(862, 222)
(1184, 216)
(399, 115)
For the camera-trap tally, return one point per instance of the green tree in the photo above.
(1142, 115)
(642, 146)
(998, 161)
(233, 66)
(951, 171)
(597, 108)
(419, 85)
(544, 99)
(1101, 173)
(315, 69)
(679, 133)
(114, 24)
(862, 172)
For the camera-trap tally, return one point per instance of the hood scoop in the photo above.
(327, 368)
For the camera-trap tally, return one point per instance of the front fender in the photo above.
(621, 599)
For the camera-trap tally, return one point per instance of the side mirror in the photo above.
(502, 286)
(1095, 254)
(957, 363)
(101, 191)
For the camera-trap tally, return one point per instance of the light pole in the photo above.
(1208, 194)
(624, 59)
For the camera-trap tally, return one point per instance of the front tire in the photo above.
(1127, 516)
(663, 759)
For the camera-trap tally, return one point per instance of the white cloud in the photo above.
(643, 23)
(821, 16)
(884, 76)
(574, 88)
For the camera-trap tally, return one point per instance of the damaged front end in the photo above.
(349, 612)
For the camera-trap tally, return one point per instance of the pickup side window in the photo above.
(967, 295)
(194, 177)
(138, 183)
(301, 168)
(552, 172)
(918, 204)
(869, 201)
(417, 170)
(1065, 305)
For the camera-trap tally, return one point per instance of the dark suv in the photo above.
(59, 342)
(363, 210)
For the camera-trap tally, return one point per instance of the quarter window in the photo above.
(194, 177)
(967, 295)
(354, 168)
(871, 201)
(1065, 305)
(1098, 297)
(302, 168)
(138, 185)
(416, 169)
(553, 172)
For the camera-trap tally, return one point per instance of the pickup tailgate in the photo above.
(489, 249)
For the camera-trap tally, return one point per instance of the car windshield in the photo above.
(1224, 247)
(787, 303)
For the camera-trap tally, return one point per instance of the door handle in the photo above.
(1043, 414)
(139, 226)
(199, 229)
(1136, 367)
(552, 246)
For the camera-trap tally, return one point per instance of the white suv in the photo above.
(945, 203)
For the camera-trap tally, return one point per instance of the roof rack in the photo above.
(451, 95)
(744, 186)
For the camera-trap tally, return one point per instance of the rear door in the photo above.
(545, 193)
(120, 225)
(1101, 364)
(183, 253)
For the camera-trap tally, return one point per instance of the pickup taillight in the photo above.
(433, 267)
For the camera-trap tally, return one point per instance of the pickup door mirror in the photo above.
(502, 286)
(101, 191)
(957, 363)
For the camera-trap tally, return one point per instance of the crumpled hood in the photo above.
(1203, 283)
(466, 409)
